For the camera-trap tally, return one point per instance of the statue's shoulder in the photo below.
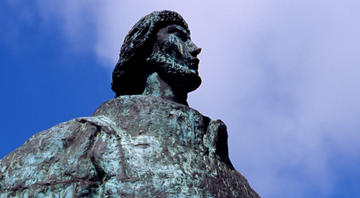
(61, 135)
(71, 127)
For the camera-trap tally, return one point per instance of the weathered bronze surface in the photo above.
(146, 142)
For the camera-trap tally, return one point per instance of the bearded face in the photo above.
(174, 58)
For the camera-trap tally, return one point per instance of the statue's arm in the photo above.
(216, 139)
(68, 156)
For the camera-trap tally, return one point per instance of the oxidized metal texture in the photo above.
(132, 146)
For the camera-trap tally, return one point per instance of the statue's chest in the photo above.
(149, 116)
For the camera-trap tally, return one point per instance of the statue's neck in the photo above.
(156, 87)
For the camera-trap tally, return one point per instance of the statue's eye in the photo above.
(181, 35)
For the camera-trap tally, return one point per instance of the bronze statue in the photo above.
(146, 142)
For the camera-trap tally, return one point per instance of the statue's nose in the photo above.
(196, 51)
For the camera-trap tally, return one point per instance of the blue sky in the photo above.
(283, 76)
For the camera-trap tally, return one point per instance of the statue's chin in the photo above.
(186, 83)
(179, 77)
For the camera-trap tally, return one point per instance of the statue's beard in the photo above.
(180, 77)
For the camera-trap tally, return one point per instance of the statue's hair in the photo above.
(128, 75)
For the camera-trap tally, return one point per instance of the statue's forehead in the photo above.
(173, 27)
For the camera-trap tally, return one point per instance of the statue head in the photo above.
(159, 42)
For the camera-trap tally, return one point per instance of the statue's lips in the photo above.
(194, 64)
